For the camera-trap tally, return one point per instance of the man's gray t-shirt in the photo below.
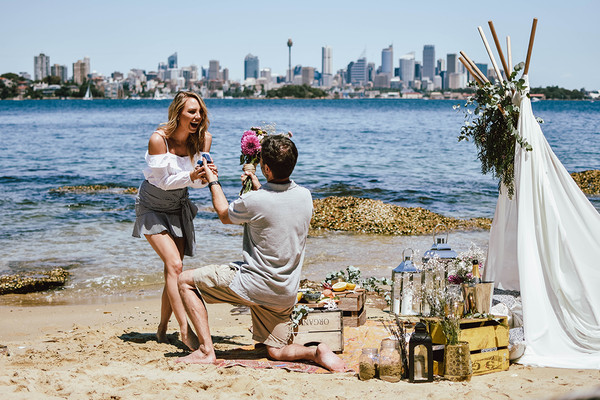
(276, 219)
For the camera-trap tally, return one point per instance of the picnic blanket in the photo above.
(355, 338)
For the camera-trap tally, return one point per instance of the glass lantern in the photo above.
(406, 284)
(441, 251)
(420, 355)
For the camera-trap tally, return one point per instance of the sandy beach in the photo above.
(108, 351)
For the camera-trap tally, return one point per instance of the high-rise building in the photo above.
(428, 62)
(451, 69)
(41, 66)
(326, 53)
(451, 66)
(81, 70)
(61, 71)
(326, 68)
(308, 75)
(172, 61)
(440, 66)
(357, 72)
(213, 70)
(387, 61)
(251, 68)
(407, 69)
(225, 74)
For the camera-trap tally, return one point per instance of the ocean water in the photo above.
(403, 152)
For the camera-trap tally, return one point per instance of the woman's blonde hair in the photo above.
(195, 142)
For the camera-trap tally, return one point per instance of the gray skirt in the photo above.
(171, 211)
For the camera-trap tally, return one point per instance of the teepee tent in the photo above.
(545, 242)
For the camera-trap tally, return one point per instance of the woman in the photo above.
(164, 213)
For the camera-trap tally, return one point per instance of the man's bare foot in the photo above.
(161, 334)
(198, 357)
(328, 359)
(190, 339)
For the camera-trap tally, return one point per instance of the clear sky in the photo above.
(119, 35)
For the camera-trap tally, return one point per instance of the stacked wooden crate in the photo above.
(488, 342)
(352, 304)
(321, 326)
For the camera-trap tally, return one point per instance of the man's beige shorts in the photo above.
(271, 326)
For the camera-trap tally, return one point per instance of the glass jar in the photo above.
(367, 363)
(454, 301)
(390, 362)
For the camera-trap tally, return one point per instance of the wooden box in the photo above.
(352, 301)
(488, 342)
(322, 326)
(353, 309)
(355, 318)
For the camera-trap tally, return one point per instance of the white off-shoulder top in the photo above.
(169, 171)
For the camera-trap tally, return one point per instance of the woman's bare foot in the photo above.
(161, 334)
(190, 339)
(328, 359)
(199, 357)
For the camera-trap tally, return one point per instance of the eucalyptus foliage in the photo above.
(491, 121)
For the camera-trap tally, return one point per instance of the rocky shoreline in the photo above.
(354, 214)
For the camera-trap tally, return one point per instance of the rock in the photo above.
(94, 189)
(588, 181)
(33, 281)
(374, 216)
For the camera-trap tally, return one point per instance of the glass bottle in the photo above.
(475, 273)
(367, 363)
(390, 362)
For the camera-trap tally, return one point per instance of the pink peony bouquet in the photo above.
(251, 146)
(250, 153)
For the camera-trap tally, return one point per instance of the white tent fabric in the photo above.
(545, 242)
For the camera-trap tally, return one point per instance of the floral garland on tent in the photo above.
(491, 121)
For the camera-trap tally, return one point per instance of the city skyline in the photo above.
(120, 36)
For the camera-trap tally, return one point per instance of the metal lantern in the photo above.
(436, 276)
(420, 355)
(440, 247)
(406, 282)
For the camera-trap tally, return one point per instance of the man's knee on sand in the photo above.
(185, 281)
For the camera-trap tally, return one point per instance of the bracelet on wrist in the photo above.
(213, 183)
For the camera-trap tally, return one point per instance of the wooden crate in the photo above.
(488, 342)
(355, 318)
(322, 326)
(352, 301)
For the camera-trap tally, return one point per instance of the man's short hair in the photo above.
(280, 154)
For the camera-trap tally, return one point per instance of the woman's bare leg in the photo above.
(170, 251)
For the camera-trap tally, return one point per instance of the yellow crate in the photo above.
(487, 338)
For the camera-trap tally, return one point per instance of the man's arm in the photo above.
(218, 197)
(219, 201)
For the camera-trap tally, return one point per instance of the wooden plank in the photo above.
(485, 337)
(352, 301)
(333, 339)
(321, 320)
(355, 318)
(490, 361)
(480, 333)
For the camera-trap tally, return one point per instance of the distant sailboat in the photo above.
(88, 94)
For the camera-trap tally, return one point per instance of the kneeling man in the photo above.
(276, 217)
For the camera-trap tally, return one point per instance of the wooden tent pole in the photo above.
(499, 48)
(489, 51)
(531, 38)
(482, 77)
(473, 73)
(509, 55)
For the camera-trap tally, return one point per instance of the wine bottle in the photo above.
(476, 274)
